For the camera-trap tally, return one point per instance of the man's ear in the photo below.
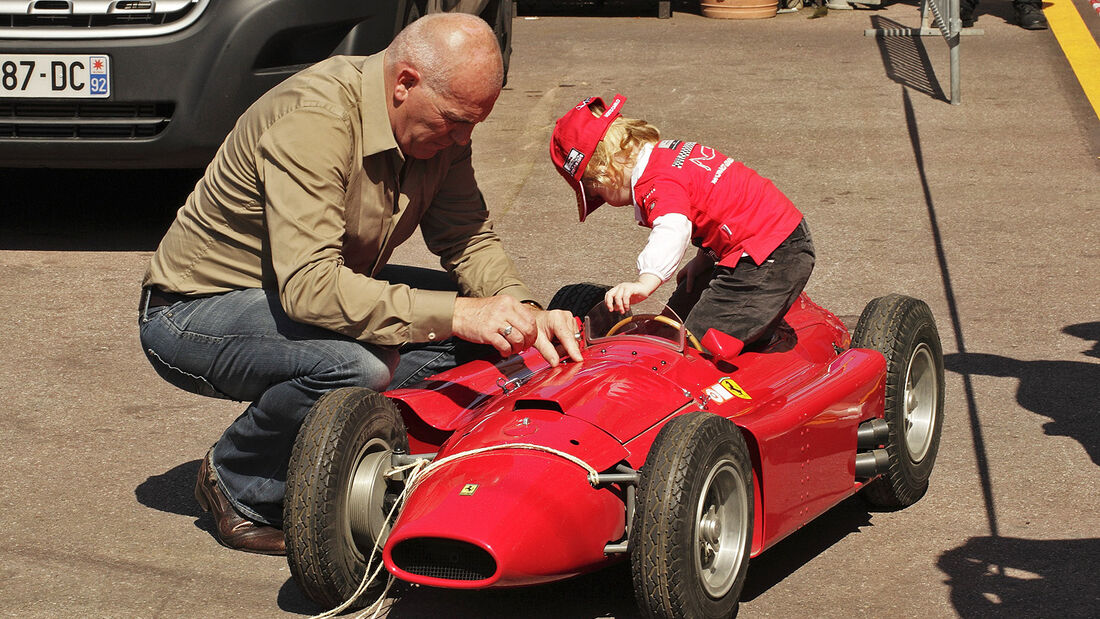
(407, 78)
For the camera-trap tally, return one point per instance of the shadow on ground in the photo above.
(906, 59)
(1012, 577)
(292, 600)
(605, 593)
(786, 557)
(1068, 392)
(90, 210)
(174, 492)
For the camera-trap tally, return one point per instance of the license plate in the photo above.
(50, 76)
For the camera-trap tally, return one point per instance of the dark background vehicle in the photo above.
(142, 84)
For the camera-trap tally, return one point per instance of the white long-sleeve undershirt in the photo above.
(667, 244)
(671, 234)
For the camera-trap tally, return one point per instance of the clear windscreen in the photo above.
(601, 324)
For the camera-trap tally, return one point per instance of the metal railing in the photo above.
(938, 17)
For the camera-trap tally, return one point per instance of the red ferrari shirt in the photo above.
(732, 209)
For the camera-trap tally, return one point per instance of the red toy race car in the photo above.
(685, 457)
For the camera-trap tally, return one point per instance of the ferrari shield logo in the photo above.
(468, 490)
(734, 388)
(725, 389)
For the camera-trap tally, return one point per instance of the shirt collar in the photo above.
(377, 136)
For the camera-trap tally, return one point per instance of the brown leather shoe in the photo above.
(230, 529)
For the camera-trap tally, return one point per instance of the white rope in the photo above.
(420, 469)
(593, 474)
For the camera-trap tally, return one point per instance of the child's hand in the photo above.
(620, 298)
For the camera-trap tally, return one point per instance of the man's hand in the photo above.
(512, 327)
(620, 298)
(557, 325)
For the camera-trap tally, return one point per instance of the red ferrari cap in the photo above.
(575, 137)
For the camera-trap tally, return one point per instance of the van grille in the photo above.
(100, 120)
(83, 19)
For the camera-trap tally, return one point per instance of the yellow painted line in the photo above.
(1078, 46)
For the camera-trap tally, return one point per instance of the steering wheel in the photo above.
(658, 318)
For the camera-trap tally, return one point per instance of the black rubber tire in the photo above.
(578, 299)
(666, 547)
(345, 428)
(904, 331)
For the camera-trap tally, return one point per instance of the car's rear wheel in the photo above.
(692, 529)
(581, 299)
(904, 331)
(578, 299)
(337, 499)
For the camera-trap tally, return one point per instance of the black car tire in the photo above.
(578, 299)
(692, 530)
(904, 331)
(336, 498)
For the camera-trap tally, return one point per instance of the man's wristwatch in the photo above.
(534, 304)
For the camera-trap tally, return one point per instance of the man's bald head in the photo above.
(455, 54)
(443, 75)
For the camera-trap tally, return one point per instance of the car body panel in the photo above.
(500, 486)
(799, 403)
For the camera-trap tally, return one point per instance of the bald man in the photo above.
(271, 285)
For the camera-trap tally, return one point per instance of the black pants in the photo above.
(748, 301)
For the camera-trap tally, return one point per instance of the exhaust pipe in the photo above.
(871, 463)
(872, 433)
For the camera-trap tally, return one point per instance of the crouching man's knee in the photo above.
(365, 365)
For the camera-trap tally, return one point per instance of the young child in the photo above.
(754, 249)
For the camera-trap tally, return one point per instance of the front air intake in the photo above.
(445, 559)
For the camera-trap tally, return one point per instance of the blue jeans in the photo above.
(242, 346)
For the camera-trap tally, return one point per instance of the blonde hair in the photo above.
(618, 148)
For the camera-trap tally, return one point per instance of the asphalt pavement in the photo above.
(987, 210)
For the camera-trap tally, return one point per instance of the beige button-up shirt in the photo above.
(309, 195)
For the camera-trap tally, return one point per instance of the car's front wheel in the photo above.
(337, 500)
(692, 529)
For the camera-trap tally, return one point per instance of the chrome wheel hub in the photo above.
(366, 492)
(721, 526)
(920, 400)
